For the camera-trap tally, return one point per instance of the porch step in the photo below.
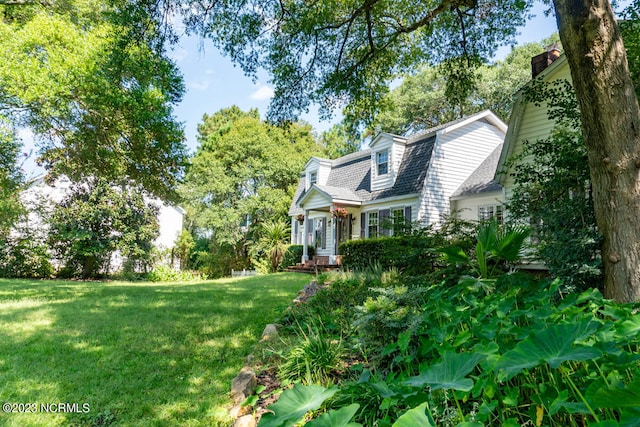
(315, 265)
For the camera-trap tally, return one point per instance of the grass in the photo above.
(138, 354)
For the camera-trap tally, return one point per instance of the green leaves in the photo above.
(336, 418)
(417, 416)
(294, 403)
(99, 97)
(616, 395)
(553, 345)
(244, 172)
(450, 373)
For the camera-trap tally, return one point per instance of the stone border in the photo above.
(245, 383)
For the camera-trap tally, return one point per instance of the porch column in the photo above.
(334, 235)
(305, 238)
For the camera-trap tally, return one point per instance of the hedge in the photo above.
(410, 254)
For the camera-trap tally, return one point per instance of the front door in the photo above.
(343, 230)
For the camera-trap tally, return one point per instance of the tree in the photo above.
(92, 80)
(338, 142)
(332, 52)
(10, 178)
(97, 218)
(244, 173)
(610, 121)
(272, 242)
(423, 100)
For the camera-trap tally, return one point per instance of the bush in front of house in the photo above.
(410, 254)
(293, 255)
(24, 258)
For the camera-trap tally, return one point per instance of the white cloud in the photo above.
(178, 54)
(201, 85)
(262, 93)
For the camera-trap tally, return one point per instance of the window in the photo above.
(397, 216)
(382, 163)
(320, 233)
(372, 224)
(488, 212)
(313, 178)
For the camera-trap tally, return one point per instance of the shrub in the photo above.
(411, 254)
(293, 255)
(164, 273)
(24, 258)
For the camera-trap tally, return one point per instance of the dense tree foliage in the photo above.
(339, 141)
(92, 80)
(97, 219)
(10, 177)
(331, 52)
(244, 173)
(424, 100)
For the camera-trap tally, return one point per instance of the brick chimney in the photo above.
(542, 61)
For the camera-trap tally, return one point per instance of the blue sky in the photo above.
(213, 82)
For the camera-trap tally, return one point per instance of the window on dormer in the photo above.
(313, 178)
(382, 163)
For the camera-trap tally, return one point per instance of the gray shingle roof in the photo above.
(295, 209)
(482, 179)
(350, 176)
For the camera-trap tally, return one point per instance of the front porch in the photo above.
(325, 229)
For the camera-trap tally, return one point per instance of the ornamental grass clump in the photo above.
(315, 359)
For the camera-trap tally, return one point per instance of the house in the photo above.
(482, 195)
(530, 122)
(40, 193)
(397, 180)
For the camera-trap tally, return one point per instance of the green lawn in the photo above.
(139, 354)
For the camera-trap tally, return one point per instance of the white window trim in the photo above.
(368, 219)
(309, 174)
(494, 212)
(388, 162)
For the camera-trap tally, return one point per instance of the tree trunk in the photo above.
(87, 268)
(610, 124)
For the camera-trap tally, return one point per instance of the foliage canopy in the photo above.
(92, 80)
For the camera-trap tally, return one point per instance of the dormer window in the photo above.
(382, 162)
(313, 178)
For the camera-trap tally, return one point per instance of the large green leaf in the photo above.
(336, 418)
(454, 255)
(616, 395)
(450, 373)
(630, 327)
(553, 345)
(294, 403)
(415, 417)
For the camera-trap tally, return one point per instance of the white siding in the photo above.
(534, 125)
(456, 155)
(321, 166)
(170, 225)
(467, 208)
(317, 200)
(384, 181)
